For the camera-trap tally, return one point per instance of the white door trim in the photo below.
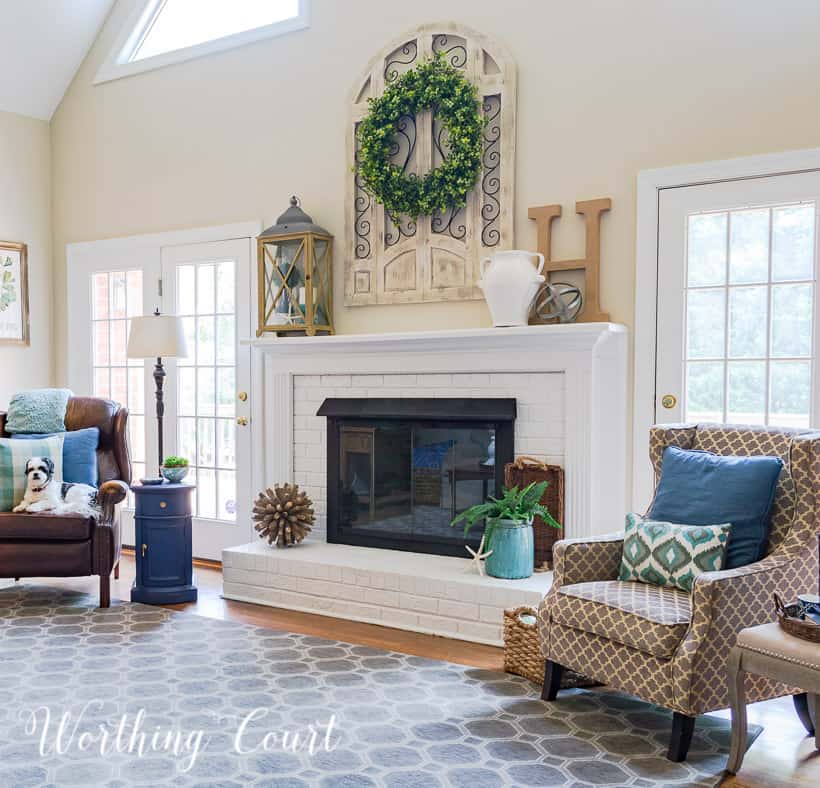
(650, 183)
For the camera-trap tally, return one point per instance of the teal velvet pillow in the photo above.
(14, 454)
(37, 411)
(671, 555)
(79, 454)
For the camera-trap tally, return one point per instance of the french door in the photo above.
(206, 394)
(207, 411)
(737, 305)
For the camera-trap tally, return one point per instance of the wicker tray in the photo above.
(521, 473)
(522, 650)
(790, 621)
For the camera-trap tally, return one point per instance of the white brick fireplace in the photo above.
(569, 383)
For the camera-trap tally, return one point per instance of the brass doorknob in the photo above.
(242, 421)
(242, 396)
(669, 401)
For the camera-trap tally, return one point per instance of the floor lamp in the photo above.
(157, 336)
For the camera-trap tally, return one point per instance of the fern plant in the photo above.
(518, 505)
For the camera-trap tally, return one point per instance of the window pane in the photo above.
(136, 390)
(206, 492)
(705, 323)
(136, 433)
(205, 340)
(186, 290)
(206, 442)
(704, 391)
(749, 246)
(187, 439)
(205, 289)
(101, 356)
(226, 391)
(186, 402)
(100, 296)
(225, 287)
(226, 443)
(102, 386)
(791, 320)
(793, 242)
(706, 259)
(119, 341)
(206, 394)
(790, 393)
(134, 295)
(119, 385)
(747, 321)
(225, 342)
(189, 327)
(747, 392)
(226, 505)
(118, 294)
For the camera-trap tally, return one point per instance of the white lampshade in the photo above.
(157, 336)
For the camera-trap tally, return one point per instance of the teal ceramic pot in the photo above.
(513, 547)
(175, 474)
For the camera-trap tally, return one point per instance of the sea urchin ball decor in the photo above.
(283, 515)
(434, 85)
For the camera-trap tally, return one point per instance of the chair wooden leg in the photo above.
(16, 579)
(683, 726)
(737, 700)
(117, 571)
(105, 591)
(552, 680)
(801, 706)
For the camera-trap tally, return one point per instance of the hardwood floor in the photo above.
(782, 756)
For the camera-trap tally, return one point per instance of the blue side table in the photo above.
(165, 574)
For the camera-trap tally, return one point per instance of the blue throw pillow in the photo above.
(701, 488)
(79, 454)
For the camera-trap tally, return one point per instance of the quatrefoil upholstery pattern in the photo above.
(650, 645)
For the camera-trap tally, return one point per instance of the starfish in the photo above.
(479, 555)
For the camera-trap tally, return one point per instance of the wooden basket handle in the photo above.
(779, 607)
(520, 462)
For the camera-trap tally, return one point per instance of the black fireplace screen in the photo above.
(399, 470)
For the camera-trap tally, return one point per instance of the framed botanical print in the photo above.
(13, 293)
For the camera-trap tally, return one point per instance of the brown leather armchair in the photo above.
(49, 545)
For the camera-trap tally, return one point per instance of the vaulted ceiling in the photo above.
(42, 45)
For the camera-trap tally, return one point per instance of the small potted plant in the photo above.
(508, 533)
(174, 469)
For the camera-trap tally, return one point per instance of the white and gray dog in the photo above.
(45, 494)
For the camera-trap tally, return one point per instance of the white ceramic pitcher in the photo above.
(510, 283)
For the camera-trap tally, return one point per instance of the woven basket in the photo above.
(524, 471)
(522, 650)
(787, 615)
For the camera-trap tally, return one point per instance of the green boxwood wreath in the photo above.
(437, 86)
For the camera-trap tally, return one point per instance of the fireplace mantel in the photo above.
(592, 359)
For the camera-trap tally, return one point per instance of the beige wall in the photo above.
(25, 215)
(605, 89)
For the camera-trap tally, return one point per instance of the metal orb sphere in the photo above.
(558, 302)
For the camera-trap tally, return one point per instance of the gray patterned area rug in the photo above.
(167, 698)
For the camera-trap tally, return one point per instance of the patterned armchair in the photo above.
(664, 645)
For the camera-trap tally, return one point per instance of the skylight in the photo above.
(177, 24)
(163, 32)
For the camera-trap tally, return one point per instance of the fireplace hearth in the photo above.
(400, 469)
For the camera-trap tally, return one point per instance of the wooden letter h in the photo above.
(591, 210)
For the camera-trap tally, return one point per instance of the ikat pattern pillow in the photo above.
(671, 555)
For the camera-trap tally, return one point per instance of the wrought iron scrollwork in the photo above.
(455, 50)
(405, 55)
(491, 179)
(402, 148)
(361, 219)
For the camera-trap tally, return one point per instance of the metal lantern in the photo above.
(295, 258)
